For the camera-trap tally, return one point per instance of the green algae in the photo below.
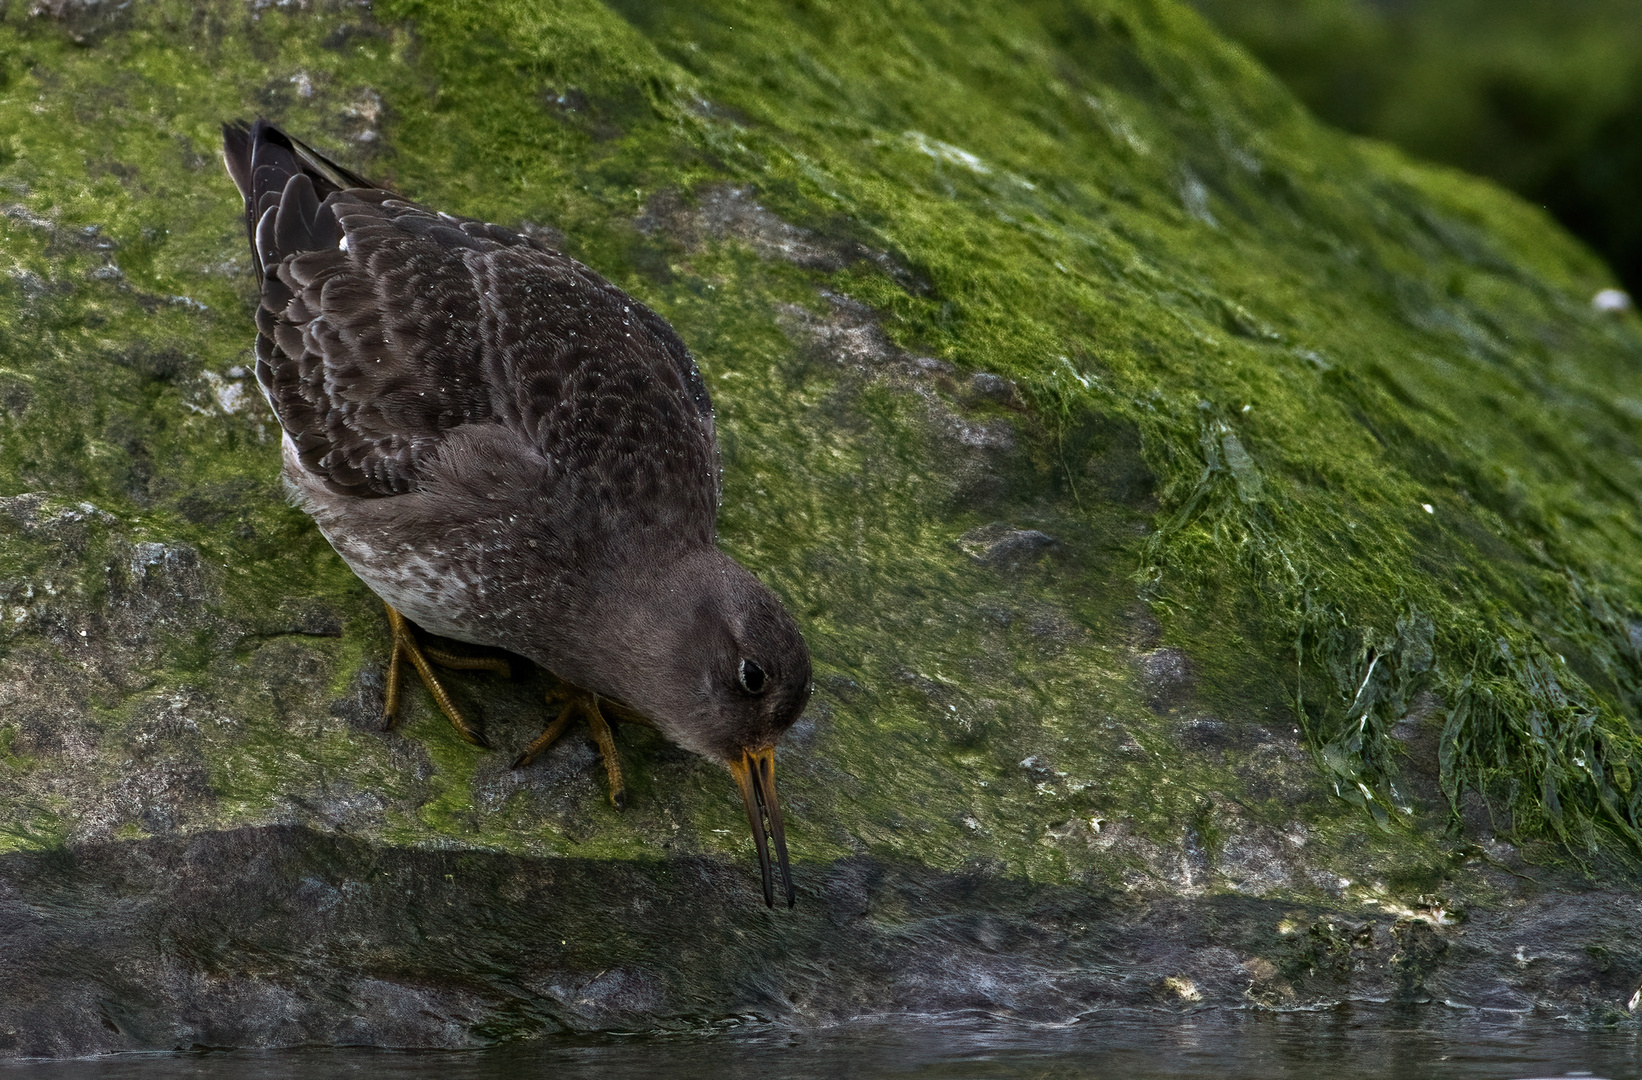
(1249, 352)
(1326, 456)
(1544, 99)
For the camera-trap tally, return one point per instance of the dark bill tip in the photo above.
(755, 776)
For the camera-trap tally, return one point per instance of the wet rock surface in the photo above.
(145, 945)
(1038, 778)
(1000, 544)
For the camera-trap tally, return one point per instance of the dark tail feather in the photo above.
(236, 154)
(263, 160)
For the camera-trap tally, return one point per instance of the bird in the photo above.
(512, 452)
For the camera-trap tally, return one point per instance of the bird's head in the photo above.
(727, 672)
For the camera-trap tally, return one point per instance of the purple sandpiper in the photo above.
(512, 452)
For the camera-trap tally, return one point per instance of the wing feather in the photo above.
(384, 326)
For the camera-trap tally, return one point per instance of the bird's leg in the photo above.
(575, 703)
(406, 648)
(390, 700)
(612, 760)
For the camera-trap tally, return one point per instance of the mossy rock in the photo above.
(1217, 539)
(1544, 98)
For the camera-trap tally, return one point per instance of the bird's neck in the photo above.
(631, 617)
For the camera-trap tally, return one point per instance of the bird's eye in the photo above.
(752, 677)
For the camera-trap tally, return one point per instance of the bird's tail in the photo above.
(263, 162)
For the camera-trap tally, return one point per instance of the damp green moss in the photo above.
(1543, 99)
(1250, 354)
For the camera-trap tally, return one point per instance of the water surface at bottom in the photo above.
(1345, 1043)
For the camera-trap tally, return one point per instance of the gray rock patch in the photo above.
(1003, 545)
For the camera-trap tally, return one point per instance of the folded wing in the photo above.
(383, 326)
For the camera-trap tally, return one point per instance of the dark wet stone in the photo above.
(995, 388)
(730, 211)
(1143, 629)
(286, 936)
(1207, 733)
(361, 707)
(1054, 628)
(1003, 545)
(1420, 732)
(1280, 768)
(1167, 678)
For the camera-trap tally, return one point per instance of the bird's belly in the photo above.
(423, 581)
(430, 590)
(426, 583)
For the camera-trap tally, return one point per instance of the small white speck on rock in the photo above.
(1612, 301)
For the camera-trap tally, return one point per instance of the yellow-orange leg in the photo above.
(576, 703)
(406, 648)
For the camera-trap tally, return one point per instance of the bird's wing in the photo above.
(383, 326)
(261, 159)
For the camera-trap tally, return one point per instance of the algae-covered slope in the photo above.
(1180, 500)
(1544, 98)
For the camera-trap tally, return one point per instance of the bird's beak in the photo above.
(755, 776)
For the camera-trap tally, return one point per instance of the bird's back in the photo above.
(389, 335)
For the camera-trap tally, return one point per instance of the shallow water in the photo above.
(1346, 1043)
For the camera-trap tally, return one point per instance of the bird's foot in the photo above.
(422, 659)
(494, 664)
(573, 703)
